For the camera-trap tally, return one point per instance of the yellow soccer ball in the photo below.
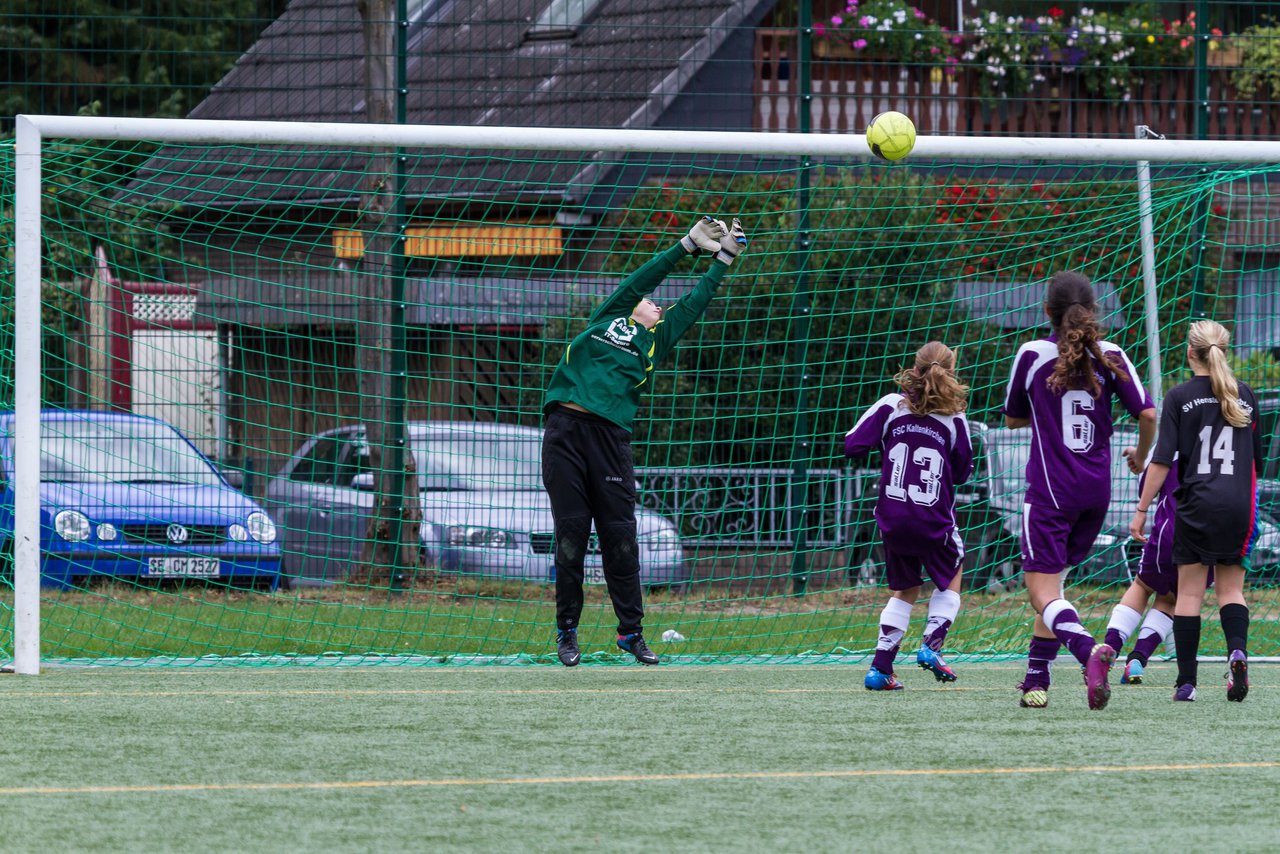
(891, 136)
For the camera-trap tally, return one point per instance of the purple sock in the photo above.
(883, 659)
(1113, 640)
(1145, 647)
(1065, 623)
(1040, 658)
(894, 620)
(938, 636)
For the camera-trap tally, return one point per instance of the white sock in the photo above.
(1124, 620)
(894, 620)
(944, 607)
(1157, 623)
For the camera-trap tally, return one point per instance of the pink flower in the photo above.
(920, 16)
(851, 5)
(957, 40)
(935, 50)
(859, 44)
(836, 20)
(864, 21)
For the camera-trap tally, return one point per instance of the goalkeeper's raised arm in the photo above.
(590, 406)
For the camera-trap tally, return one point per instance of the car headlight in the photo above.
(1105, 541)
(261, 528)
(664, 539)
(107, 532)
(72, 526)
(238, 533)
(486, 538)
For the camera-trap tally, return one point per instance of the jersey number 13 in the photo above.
(929, 462)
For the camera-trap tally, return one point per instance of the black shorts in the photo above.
(1192, 545)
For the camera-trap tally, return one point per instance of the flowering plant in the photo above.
(1106, 51)
(1010, 54)
(889, 29)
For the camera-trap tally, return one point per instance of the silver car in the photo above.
(484, 509)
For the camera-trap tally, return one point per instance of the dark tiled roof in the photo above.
(471, 66)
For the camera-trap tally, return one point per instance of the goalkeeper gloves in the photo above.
(705, 235)
(732, 244)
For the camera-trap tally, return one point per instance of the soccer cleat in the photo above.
(877, 681)
(567, 647)
(928, 659)
(1237, 676)
(1096, 671)
(1185, 693)
(1033, 696)
(1133, 672)
(634, 644)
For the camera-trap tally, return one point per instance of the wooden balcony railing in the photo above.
(847, 93)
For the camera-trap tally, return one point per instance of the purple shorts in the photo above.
(1054, 540)
(1157, 570)
(940, 562)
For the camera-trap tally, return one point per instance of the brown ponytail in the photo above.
(1208, 341)
(931, 386)
(1072, 310)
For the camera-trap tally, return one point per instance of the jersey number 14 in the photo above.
(1223, 451)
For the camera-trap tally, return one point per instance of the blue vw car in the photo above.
(127, 496)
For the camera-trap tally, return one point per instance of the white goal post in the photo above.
(33, 130)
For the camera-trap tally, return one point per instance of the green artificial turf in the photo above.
(667, 759)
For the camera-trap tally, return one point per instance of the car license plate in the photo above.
(183, 567)
(590, 574)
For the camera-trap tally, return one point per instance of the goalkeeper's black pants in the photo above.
(589, 473)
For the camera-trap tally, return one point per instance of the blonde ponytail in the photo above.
(931, 385)
(1208, 341)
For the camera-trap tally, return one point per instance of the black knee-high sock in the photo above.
(1186, 636)
(1235, 626)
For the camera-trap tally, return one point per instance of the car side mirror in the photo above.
(363, 481)
(235, 477)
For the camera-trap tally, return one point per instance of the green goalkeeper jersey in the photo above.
(605, 368)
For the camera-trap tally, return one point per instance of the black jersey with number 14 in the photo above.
(1217, 468)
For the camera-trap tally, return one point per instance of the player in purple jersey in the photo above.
(924, 439)
(1209, 424)
(1157, 576)
(1061, 388)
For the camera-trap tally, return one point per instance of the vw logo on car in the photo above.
(177, 534)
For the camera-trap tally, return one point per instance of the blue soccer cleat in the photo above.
(877, 681)
(1133, 672)
(928, 659)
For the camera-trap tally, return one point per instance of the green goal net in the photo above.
(291, 393)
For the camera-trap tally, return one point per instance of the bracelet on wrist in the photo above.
(1141, 509)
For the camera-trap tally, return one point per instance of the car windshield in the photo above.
(1009, 455)
(480, 462)
(120, 451)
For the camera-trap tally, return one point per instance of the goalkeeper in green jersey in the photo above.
(590, 404)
